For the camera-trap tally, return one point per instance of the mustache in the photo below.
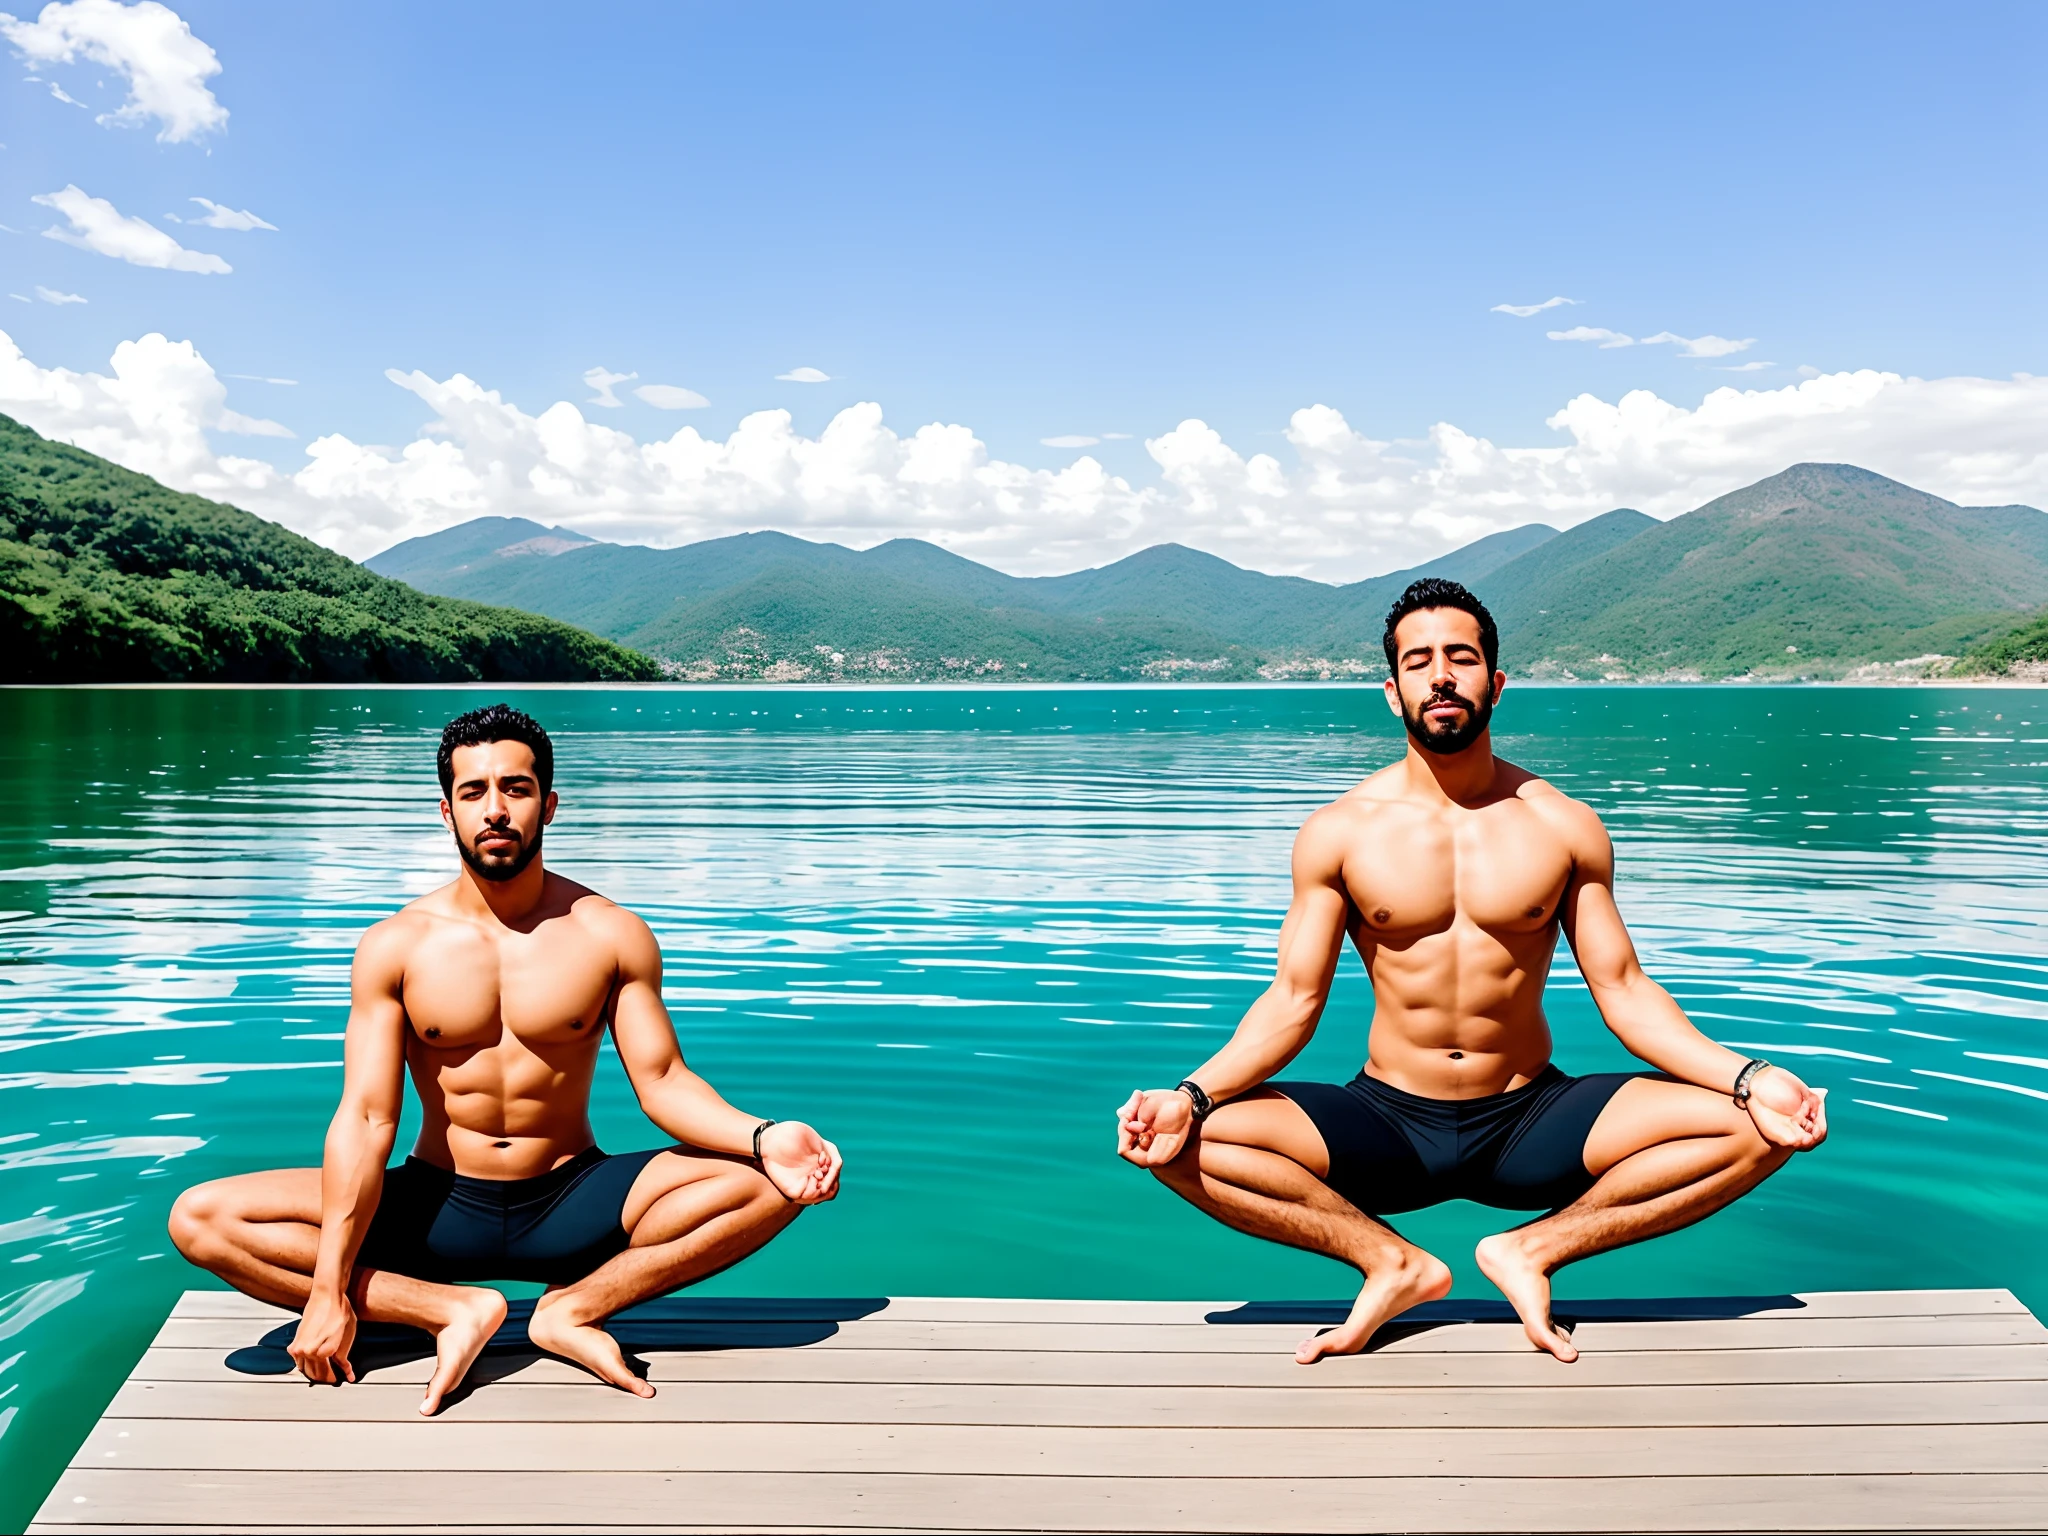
(1444, 693)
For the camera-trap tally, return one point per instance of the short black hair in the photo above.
(496, 722)
(1436, 592)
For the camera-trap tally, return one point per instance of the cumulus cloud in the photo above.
(1071, 440)
(148, 45)
(97, 225)
(56, 296)
(805, 376)
(670, 397)
(603, 380)
(1335, 502)
(1524, 311)
(251, 426)
(218, 217)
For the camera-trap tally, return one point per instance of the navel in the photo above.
(1457, 1055)
(501, 1143)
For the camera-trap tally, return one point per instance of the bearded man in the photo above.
(1453, 872)
(494, 992)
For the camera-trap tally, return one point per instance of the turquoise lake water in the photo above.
(953, 928)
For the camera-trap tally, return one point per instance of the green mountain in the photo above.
(1812, 572)
(108, 576)
(1824, 564)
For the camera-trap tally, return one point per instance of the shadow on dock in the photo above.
(672, 1323)
(1567, 1314)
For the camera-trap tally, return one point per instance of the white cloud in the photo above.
(602, 381)
(805, 376)
(671, 397)
(1700, 346)
(55, 296)
(1599, 333)
(1071, 440)
(1753, 366)
(1689, 346)
(21, 298)
(1524, 311)
(218, 217)
(149, 45)
(251, 426)
(97, 225)
(258, 378)
(1116, 437)
(1342, 505)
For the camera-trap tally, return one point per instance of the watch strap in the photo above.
(1198, 1097)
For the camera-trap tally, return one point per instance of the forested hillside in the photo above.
(109, 576)
(1818, 571)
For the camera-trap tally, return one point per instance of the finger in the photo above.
(348, 1370)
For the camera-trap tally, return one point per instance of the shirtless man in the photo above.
(1454, 872)
(494, 992)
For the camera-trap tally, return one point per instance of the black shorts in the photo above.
(434, 1224)
(1523, 1150)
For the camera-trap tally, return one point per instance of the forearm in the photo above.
(686, 1107)
(1644, 1018)
(1271, 1035)
(351, 1182)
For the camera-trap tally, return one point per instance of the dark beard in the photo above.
(498, 874)
(1446, 742)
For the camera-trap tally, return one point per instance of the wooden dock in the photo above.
(1848, 1411)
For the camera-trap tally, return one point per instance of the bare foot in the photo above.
(458, 1342)
(584, 1344)
(1527, 1287)
(1389, 1291)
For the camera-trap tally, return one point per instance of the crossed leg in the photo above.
(1666, 1155)
(1258, 1165)
(688, 1215)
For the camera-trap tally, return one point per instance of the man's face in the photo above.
(496, 809)
(1441, 687)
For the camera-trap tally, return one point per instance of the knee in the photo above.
(198, 1217)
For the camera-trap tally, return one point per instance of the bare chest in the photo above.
(1502, 869)
(466, 988)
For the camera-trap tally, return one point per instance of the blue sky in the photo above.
(1046, 220)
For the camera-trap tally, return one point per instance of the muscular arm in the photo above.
(1645, 1018)
(359, 1140)
(1154, 1125)
(803, 1165)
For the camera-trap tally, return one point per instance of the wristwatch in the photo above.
(1197, 1097)
(1747, 1075)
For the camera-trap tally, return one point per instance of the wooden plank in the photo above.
(1137, 1339)
(231, 1304)
(1563, 1406)
(1009, 1450)
(1975, 1362)
(2006, 1501)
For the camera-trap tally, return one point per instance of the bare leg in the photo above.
(260, 1232)
(1668, 1154)
(689, 1216)
(1258, 1165)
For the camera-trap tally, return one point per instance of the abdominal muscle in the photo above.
(1459, 1014)
(505, 1112)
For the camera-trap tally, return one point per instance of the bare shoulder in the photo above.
(622, 931)
(1333, 831)
(1577, 823)
(386, 946)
